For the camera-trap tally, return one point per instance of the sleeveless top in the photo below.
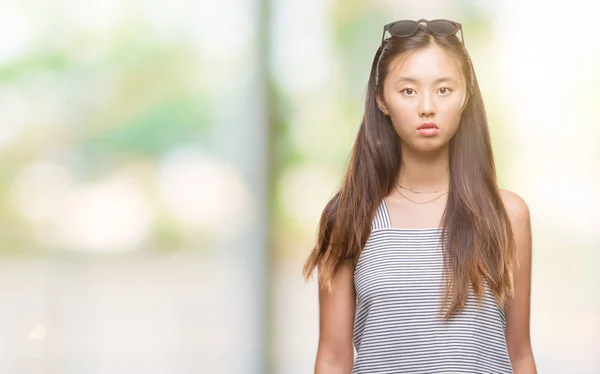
(398, 325)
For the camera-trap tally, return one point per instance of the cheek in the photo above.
(403, 111)
(451, 114)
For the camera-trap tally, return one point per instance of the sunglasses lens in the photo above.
(443, 27)
(404, 28)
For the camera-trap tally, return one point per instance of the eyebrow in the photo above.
(437, 81)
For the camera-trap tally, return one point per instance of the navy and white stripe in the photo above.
(398, 326)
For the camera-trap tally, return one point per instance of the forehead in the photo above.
(425, 65)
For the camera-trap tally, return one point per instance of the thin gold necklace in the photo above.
(419, 192)
(420, 202)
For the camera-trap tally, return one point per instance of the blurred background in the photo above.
(163, 165)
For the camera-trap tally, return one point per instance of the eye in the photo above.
(445, 91)
(408, 91)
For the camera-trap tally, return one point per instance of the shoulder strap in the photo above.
(382, 217)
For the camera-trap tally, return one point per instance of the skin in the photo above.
(425, 86)
(425, 97)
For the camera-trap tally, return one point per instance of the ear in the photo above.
(381, 104)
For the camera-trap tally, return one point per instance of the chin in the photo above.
(429, 145)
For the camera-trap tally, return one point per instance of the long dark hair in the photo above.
(479, 246)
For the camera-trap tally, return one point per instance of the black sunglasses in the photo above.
(406, 28)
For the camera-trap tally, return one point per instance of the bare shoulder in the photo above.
(517, 208)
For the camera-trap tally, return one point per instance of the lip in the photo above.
(428, 125)
(428, 131)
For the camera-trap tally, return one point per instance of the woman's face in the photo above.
(424, 94)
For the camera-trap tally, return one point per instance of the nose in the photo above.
(426, 106)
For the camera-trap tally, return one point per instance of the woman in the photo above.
(423, 263)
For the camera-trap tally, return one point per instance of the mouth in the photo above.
(428, 129)
(428, 125)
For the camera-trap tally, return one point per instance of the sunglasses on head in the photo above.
(406, 28)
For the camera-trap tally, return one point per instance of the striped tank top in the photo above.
(398, 327)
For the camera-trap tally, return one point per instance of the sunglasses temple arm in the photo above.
(382, 35)
(462, 36)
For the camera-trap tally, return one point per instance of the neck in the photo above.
(424, 171)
